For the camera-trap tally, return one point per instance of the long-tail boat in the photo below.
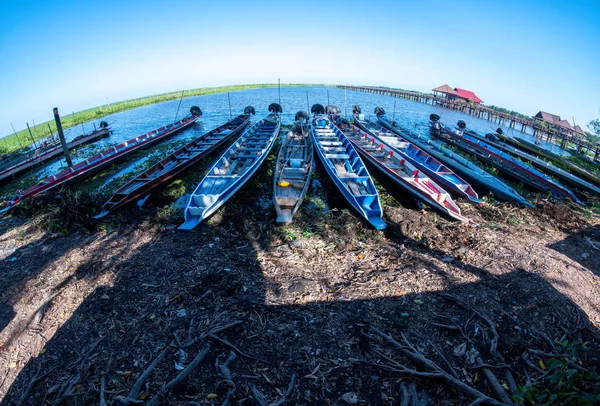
(470, 170)
(293, 169)
(177, 162)
(500, 160)
(105, 158)
(38, 157)
(533, 160)
(400, 169)
(233, 169)
(433, 168)
(346, 169)
(538, 150)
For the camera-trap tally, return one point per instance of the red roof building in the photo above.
(456, 93)
(468, 95)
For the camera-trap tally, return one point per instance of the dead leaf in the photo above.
(212, 396)
(542, 365)
(460, 350)
(350, 398)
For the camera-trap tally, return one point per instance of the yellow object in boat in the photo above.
(283, 183)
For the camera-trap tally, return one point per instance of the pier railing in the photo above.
(542, 130)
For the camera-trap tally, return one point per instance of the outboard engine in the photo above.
(103, 124)
(356, 110)
(332, 110)
(461, 124)
(302, 116)
(434, 117)
(275, 108)
(491, 137)
(195, 111)
(317, 109)
(250, 110)
(379, 111)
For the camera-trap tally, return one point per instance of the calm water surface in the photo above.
(215, 107)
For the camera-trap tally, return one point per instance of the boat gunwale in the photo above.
(348, 194)
(311, 163)
(239, 181)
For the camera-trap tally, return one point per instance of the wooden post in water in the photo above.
(179, 106)
(61, 135)
(229, 100)
(31, 135)
(307, 103)
(16, 136)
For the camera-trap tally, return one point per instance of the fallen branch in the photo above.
(433, 370)
(182, 375)
(262, 401)
(102, 389)
(225, 372)
(132, 397)
(36, 378)
(233, 347)
(494, 383)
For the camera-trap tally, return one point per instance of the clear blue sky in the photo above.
(523, 55)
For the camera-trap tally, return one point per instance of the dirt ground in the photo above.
(86, 307)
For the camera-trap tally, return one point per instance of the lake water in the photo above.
(215, 107)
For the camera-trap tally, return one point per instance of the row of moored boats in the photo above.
(429, 169)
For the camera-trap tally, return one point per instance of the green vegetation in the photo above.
(507, 111)
(40, 131)
(565, 381)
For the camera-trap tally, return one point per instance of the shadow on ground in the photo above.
(305, 308)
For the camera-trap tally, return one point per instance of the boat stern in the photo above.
(285, 216)
(377, 222)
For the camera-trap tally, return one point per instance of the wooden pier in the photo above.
(541, 130)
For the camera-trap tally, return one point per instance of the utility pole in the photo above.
(61, 135)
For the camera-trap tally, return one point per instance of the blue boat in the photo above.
(459, 164)
(233, 169)
(501, 160)
(347, 170)
(426, 163)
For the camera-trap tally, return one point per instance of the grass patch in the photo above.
(22, 138)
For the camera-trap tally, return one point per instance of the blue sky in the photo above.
(523, 55)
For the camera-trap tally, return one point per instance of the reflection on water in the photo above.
(215, 107)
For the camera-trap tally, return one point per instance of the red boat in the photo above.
(39, 157)
(105, 158)
(176, 163)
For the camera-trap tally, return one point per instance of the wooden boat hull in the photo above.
(459, 164)
(542, 152)
(232, 170)
(398, 168)
(426, 163)
(539, 163)
(502, 161)
(102, 159)
(292, 173)
(174, 164)
(49, 154)
(354, 181)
